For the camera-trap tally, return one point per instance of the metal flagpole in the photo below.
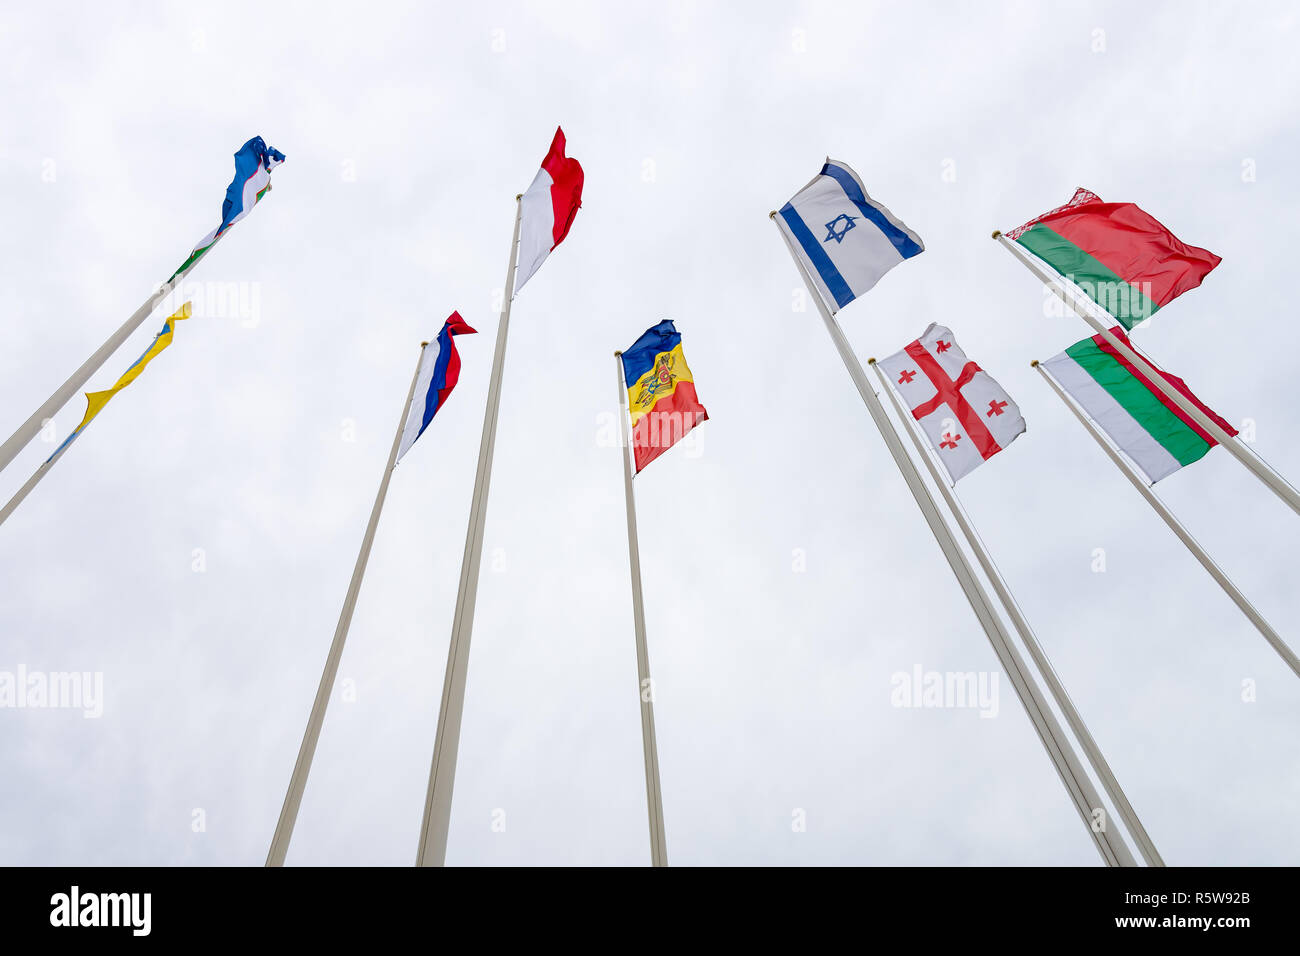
(1114, 851)
(30, 428)
(1027, 637)
(1176, 526)
(1275, 482)
(645, 686)
(442, 773)
(298, 781)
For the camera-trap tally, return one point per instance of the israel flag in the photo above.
(845, 239)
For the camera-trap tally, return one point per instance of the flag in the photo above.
(1121, 257)
(547, 209)
(1157, 435)
(253, 165)
(967, 416)
(95, 401)
(438, 374)
(660, 393)
(844, 238)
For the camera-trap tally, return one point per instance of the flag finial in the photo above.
(997, 233)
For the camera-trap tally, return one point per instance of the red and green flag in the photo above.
(1122, 258)
(1149, 427)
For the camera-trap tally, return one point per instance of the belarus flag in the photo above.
(548, 209)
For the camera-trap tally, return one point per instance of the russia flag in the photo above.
(439, 371)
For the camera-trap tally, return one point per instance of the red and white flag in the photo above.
(966, 414)
(548, 209)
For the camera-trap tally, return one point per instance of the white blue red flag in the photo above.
(844, 238)
(438, 374)
(967, 416)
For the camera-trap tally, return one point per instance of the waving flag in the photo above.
(660, 393)
(548, 209)
(1121, 257)
(439, 372)
(253, 165)
(1142, 421)
(95, 401)
(844, 238)
(965, 413)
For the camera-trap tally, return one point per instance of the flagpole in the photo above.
(307, 750)
(1274, 481)
(1270, 635)
(30, 428)
(442, 772)
(1027, 637)
(645, 686)
(1082, 793)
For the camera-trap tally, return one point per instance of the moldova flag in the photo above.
(660, 393)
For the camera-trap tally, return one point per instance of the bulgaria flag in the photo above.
(967, 416)
(548, 209)
(1145, 424)
(1119, 256)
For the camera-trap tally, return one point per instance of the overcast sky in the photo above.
(195, 544)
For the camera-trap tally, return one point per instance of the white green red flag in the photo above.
(1121, 257)
(1144, 423)
(967, 416)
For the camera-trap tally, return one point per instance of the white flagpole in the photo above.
(1275, 482)
(645, 686)
(1027, 637)
(442, 773)
(30, 428)
(1177, 528)
(1114, 851)
(307, 750)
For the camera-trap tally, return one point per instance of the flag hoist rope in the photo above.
(307, 750)
(1176, 526)
(645, 686)
(432, 850)
(1275, 482)
(1095, 757)
(1114, 851)
(30, 428)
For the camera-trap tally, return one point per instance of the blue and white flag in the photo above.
(253, 165)
(438, 374)
(844, 238)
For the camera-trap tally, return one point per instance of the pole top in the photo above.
(1034, 364)
(871, 361)
(997, 233)
(617, 352)
(424, 345)
(518, 196)
(772, 214)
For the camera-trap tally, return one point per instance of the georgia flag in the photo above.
(547, 209)
(967, 416)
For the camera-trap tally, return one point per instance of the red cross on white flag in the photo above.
(965, 413)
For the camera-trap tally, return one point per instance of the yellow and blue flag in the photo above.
(660, 393)
(95, 401)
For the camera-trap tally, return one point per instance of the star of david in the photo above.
(845, 222)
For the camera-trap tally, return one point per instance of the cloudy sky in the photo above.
(194, 546)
